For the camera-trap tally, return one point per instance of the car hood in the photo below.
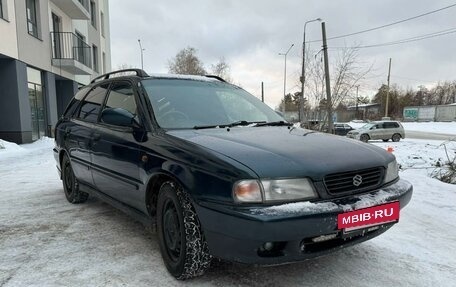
(273, 152)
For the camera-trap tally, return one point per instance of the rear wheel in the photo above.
(71, 184)
(182, 243)
(364, 138)
(396, 137)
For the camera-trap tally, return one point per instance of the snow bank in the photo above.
(11, 149)
(4, 145)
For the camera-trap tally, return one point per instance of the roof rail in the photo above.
(140, 73)
(215, 77)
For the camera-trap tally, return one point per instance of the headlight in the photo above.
(392, 172)
(288, 189)
(273, 190)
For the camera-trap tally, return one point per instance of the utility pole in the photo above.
(142, 50)
(262, 92)
(285, 77)
(388, 89)
(357, 99)
(303, 72)
(328, 84)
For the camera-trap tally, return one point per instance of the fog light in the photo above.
(268, 246)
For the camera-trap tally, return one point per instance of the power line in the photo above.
(406, 40)
(386, 25)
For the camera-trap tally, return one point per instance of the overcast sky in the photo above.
(249, 34)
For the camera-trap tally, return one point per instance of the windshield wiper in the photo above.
(233, 124)
(275, 124)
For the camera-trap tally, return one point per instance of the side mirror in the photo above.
(118, 117)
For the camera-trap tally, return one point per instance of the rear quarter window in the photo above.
(74, 103)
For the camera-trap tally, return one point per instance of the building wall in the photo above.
(34, 51)
(8, 43)
(15, 117)
(19, 49)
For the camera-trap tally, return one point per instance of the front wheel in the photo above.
(364, 138)
(182, 243)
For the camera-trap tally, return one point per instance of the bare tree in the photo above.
(186, 62)
(347, 72)
(221, 69)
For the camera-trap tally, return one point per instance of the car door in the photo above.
(376, 132)
(116, 149)
(78, 133)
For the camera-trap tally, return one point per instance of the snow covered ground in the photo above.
(428, 127)
(45, 241)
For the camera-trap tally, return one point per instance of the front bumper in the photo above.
(239, 233)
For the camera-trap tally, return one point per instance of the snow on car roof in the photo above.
(184, 77)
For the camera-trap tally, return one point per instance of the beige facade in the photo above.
(75, 19)
(48, 49)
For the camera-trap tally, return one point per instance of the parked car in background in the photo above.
(379, 130)
(342, 129)
(220, 173)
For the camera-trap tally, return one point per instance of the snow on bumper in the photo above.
(238, 234)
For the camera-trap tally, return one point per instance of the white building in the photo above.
(48, 48)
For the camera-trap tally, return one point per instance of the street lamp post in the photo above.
(303, 72)
(285, 77)
(142, 50)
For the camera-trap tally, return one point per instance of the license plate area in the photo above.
(368, 218)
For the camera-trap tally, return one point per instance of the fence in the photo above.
(430, 113)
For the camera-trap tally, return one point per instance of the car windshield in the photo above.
(367, 126)
(185, 104)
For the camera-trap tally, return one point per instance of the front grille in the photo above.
(343, 182)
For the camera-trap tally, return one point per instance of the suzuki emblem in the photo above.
(357, 180)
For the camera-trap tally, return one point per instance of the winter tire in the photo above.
(396, 137)
(364, 138)
(182, 243)
(71, 184)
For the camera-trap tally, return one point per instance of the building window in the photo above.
(93, 14)
(1, 9)
(95, 58)
(32, 22)
(104, 62)
(102, 24)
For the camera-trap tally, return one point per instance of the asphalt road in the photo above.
(428, 136)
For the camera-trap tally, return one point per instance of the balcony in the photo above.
(76, 9)
(71, 53)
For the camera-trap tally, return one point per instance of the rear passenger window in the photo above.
(90, 107)
(391, 125)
